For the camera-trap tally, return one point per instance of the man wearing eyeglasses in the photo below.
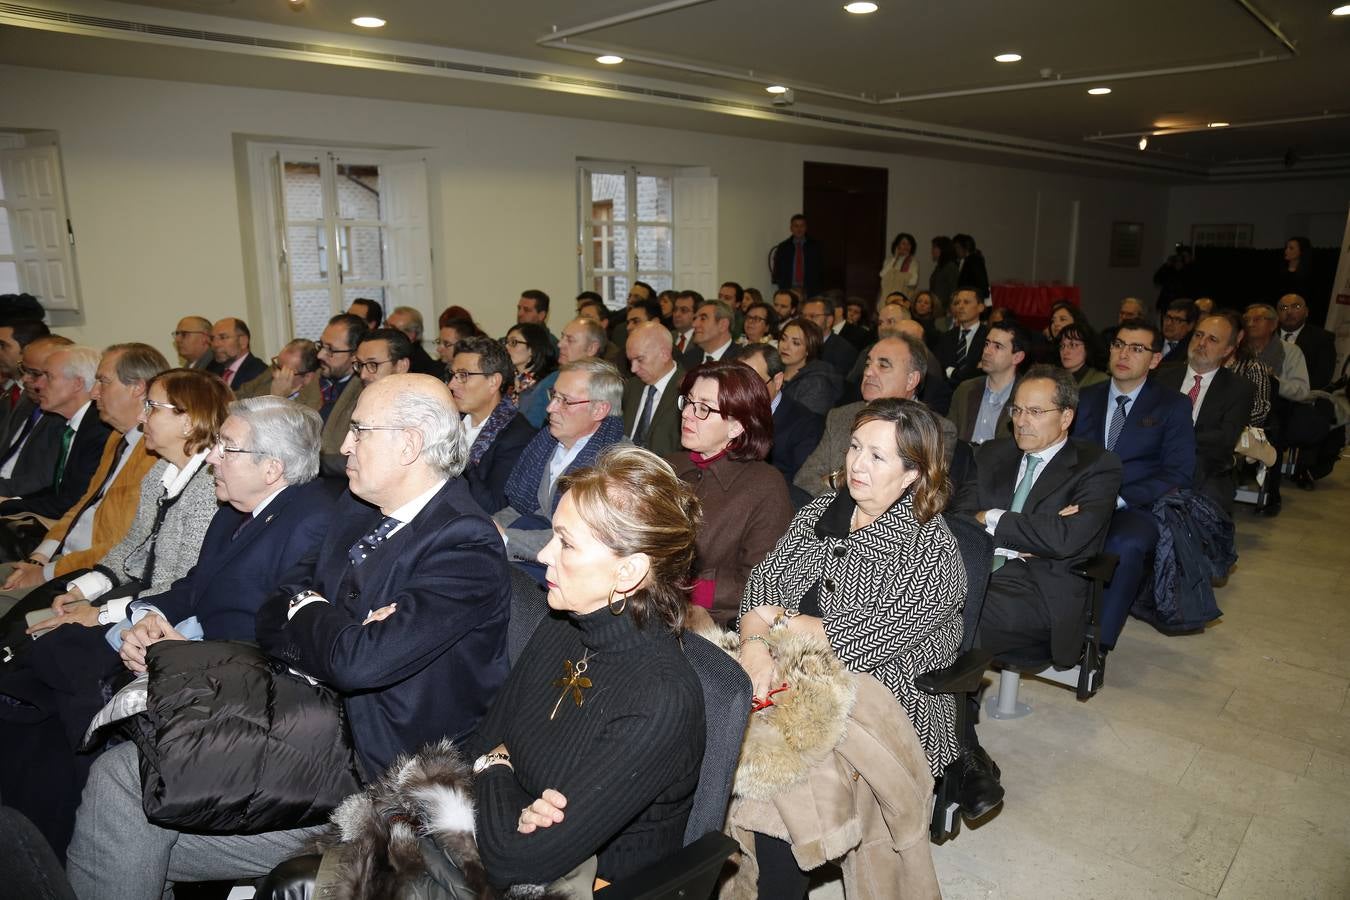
(1046, 499)
(381, 353)
(1177, 324)
(293, 374)
(234, 361)
(192, 342)
(1149, 427)
(339, 387)
(1318, 344)
(584, 418)
(497, 433)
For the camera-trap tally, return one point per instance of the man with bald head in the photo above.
(233, 362)
(651, 418)
(192, 342)
(407, 541)
(894, 368)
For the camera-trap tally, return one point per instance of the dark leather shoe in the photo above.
(1303, 478)
(1270, 510)
(981, 792)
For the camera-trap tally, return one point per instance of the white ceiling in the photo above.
(855, 77)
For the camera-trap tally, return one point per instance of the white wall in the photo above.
(1314, 208)
(150, 169)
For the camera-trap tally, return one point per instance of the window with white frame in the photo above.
(646, 223)
(37, 242)
(334, 225)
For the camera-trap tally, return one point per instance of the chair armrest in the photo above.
(1099, 567)
(960, 677)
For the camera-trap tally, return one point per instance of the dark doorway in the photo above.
(845, 209)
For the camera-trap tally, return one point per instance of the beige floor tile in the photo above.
(1280, 859)
(1310, 724)
(1328, 766)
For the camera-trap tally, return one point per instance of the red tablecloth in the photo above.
(1032, 302)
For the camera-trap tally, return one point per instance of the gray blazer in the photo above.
(813, 476)
(331, 461)
(180, 536)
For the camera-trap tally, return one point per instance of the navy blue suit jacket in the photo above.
(233, 576)
(487, 479)
(796, 431)
(428, 671)
(1157, 446)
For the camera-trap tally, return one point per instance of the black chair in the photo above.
(28, 866)
(690, 874)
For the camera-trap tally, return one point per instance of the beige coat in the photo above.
(866, 806)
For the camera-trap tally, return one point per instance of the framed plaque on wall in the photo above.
(1127, 244)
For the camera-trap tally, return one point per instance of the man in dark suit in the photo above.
(1221, 402)
(192, 342)
(1178, 322)
(1318, 344)
(480, 372)
(1046, 499)
(63, 387)
(1149, 427)
(651, 415)
(835, 350)
(234, 362)
(980, 405)
(959, 347)
(799, 261)
(409, 321)
(275, 515)
(712, 336)
(32, 438)
(796, 430)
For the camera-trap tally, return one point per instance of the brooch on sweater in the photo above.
(574, 680)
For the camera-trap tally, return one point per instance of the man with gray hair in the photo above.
(409, 321)
(63, 388)
(402, 610)
(895, 368)
(584, 419)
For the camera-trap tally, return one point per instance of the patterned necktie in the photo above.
(679, 345)
(645, 419)
(1020, 495)
(97, 497)
(367, 545)
(1117, 423)
(1194, 392)
(66, 437)
(962, 347)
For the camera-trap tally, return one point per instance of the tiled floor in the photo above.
(1216, 765)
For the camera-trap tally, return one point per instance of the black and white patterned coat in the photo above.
(891, 596)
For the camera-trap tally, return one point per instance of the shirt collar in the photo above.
(1115, 392)
(663, 381)
(74, 421)
(408, 511)
(773, 404)
(175, 479)
(717, 354)
(1048, 453)
(1205, 379)
(262, 504)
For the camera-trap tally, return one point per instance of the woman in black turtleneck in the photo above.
(609, 769)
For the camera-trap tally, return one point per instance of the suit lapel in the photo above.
(1052, 476)
(1004, 475)
(254, 530)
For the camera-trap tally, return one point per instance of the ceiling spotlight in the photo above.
(609, 59)
(1217, 125)
(860, 8)
(1098, 92)
(368, 22)
(1143, 143)
(1008, 57)
(776, 89)
(1341, 11)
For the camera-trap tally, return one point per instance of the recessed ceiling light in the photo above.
(1097, 92)
(1218, 124)
(1008, 57)
(1143, 143)
(776, 89)
(368, 22)
(860, 8)
(1341, 11)
(609, 59)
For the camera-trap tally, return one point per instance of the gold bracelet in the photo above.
(758, 637)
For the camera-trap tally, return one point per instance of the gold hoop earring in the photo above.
(623, 602)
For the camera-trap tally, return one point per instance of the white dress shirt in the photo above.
(1189, 382)
(661, 384)
(991, 516)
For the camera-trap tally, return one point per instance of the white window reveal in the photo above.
(644, 223)
(37, 241)
(334, 226)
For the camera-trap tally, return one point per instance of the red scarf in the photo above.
(703, 462)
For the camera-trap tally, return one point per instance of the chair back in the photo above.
(977, 556)
(28, 866)
(529, 605)
(726, 704)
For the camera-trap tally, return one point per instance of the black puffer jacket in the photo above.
(232, 743)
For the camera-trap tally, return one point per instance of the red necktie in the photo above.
(679, 345)
(798, 266)
(14, 393)
(1194, 392)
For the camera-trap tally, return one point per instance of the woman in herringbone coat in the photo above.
(872, 569)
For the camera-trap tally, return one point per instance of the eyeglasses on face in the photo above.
(34, 374)
(183, 334)
(220, 447)
(358, 429)
(331, 350)
(515, 342)
(1175, 318)
(152, 405)
(1035, 412)
(462, 375)
(445, 345)
(700, 409)
(555, 397)
(1136, 349)
(369, 365)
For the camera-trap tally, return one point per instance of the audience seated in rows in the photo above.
(28, 435)
(835, 349)
(534, 356)
(409, 321)
(232, 356)
(369, 311)
(192, 342)
(979, 407)
(959, 348)
(1178, 322)
(293, 374)
(339, 386)
(796, 430)
(808, 379)
(711, 340)
(651, 414)
(497, 433)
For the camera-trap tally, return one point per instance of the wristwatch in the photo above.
(306, 595)
(491, 759)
